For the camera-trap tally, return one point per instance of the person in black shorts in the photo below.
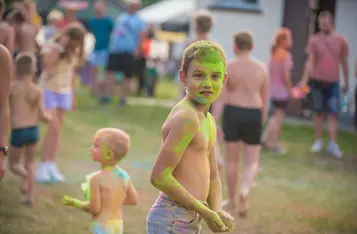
(244, 102)
(125, 45)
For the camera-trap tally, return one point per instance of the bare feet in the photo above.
(24, 187)
(28, 200)
(243, 207)
(17, 169)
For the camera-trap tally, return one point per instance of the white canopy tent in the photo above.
(166, 10)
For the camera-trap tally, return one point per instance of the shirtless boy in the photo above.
(7, 33)
(5, 81)
(110, 188)
(25, 35)
(186, 169)
(245, 100)
(25, 102)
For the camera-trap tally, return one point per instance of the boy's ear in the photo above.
(182, 78)
(225, 78)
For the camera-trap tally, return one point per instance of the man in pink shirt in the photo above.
(327, 50)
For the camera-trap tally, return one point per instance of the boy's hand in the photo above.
(228, 220)
(48, 117)
(214, 222)
(67, 200)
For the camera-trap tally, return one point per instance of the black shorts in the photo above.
(122, 62)
(242, 124)
(280, 104)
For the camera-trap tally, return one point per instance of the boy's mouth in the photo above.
(206, 93)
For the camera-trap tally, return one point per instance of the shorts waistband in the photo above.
(165, 198)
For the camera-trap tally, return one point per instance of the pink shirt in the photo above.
(277, 70)
(328, 52)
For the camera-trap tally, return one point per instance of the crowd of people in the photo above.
(224, 103)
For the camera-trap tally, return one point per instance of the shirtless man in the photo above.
(246, 103)
(110, 188)
(7, 33)
(25, 33)
(5, 81)
(186, 168)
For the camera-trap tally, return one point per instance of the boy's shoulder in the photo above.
(183, 113)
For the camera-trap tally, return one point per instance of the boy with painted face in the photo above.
(110, 188)
(186, 169)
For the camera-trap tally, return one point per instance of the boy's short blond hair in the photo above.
(116, 140)
(202, 51)
(243, 40)
(24, 63)
(204, 21)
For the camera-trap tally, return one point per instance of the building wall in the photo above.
(345, 20)
(263, 25)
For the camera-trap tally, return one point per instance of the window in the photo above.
(238, 4)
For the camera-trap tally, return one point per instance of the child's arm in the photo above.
(132, 197)
(93, 206)
(44, 115)
(184, 126)
(214, 199)
(265, 97)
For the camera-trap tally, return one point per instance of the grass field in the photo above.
(299, 193)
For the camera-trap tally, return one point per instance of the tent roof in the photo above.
(164, 11)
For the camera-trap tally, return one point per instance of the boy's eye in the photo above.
(198, 75)
(216, 76)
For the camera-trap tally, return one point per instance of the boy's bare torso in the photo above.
(193, 171)
(5, 31)
(112, 193)
(26, 38)
(24, 104)
(246, 77)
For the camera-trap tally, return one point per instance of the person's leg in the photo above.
(232, 151)
(127, 66)
(275, 129)
(141, 67)
(52, 161)
(28, 183)
(251, 137)
(318, 106)
(332, 119)
(94, 80)
(50, 146)
(14, 161)
(250, 171)
(232, 156)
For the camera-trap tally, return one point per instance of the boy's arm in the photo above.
(183, 128)
(132, 197)
(265, 97)
(214, 199)
(93, 206)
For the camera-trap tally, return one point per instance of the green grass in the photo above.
(298, 193)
